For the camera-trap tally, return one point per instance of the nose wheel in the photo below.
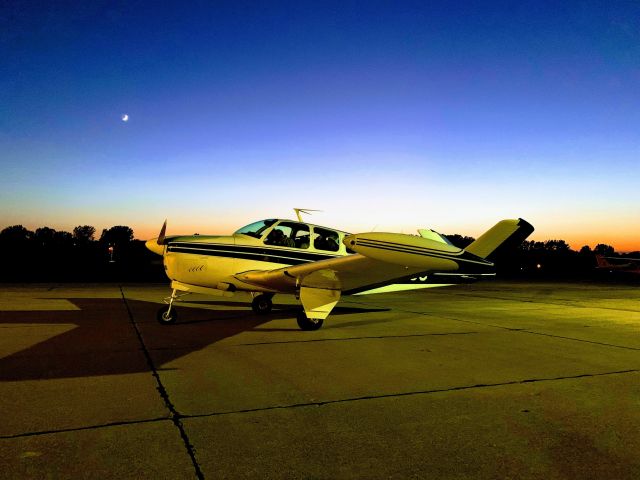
(262, 304)
(167, 315)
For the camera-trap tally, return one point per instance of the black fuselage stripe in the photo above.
(203, 251)
(246, 256)
(299, 255)
(408, 247)
(424, 254)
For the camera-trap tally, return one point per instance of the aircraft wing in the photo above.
(348, 274)
(623, 259)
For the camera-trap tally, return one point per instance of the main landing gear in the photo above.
(262, 304)
(308, 324)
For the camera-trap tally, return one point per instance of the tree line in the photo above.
(47, 254)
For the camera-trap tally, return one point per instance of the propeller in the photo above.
(161, 237)
(156, 245)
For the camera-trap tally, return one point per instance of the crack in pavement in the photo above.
(86, 427)
(408, 394)
(574, 339)
(175, 415)
(559, 302)
(179, 416)
(510, 329)
(372, 337)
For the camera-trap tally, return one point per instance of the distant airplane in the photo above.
(620, 264)
(319, 264)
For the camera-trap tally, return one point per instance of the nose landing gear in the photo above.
(168, 315)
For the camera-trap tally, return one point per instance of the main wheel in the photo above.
(308, 324)
(262, 304)
(166, 316)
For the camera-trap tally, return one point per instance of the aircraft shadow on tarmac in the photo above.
(103, 341)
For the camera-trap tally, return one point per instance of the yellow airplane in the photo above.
(319, 264)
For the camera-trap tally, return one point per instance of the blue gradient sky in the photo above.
(386, 115)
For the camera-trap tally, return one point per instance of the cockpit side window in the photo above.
(257, 228)
(289, 234)
(325, 239)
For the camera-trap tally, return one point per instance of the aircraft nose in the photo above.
(154, 247)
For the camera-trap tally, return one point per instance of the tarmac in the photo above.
(491, 380)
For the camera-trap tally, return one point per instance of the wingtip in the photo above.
(522, 223)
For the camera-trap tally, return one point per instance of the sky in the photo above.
(386, 116)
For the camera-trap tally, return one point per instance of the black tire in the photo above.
(308, 324)
(262, 304)
(165, 319)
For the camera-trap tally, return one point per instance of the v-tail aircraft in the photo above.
(623, 265)
(318, 264)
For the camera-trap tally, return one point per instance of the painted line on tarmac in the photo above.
(175, 415)
(373, 337)
(409, 394)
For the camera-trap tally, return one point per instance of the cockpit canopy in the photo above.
(256, 229)
(291, 234)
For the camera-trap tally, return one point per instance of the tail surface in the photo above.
(504, 233)
(602, 262)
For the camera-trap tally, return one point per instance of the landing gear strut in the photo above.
(167, 314)
(262, 304)
(308, 324)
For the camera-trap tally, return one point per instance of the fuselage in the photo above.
(213, 261)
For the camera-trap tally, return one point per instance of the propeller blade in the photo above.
(160, 239)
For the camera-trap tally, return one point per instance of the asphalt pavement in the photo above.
(491, 380)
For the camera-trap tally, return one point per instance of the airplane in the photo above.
(318, 264)
(629, 265)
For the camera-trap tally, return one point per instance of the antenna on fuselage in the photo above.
(304, 210)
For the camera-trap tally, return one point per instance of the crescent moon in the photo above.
(125, 118)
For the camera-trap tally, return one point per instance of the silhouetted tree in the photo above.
(117, 243)
(586, 250)
(603, 249)
(531, 246)
(117, 236)
(460, 241)
(556, 246)
(84, 234)
(62, 239)
(44, 236)
(16, 235)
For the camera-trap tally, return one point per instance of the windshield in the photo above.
(255, 229)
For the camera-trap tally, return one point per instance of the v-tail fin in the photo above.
(502, 234)
(603, 262)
